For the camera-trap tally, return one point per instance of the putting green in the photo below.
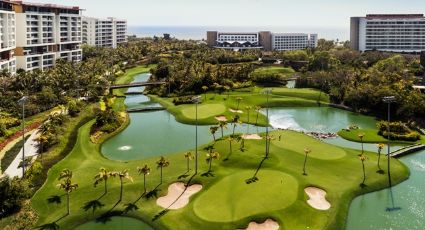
(297, 142)
(204, 111)
(231, 199)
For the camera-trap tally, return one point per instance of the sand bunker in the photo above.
(235, 111)
(175, 192)
(317, 198)
(221, 118)
(269, 224)
(251, 137)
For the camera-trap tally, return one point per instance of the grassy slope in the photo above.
(274, 70)
(371, 136)
(280, 97)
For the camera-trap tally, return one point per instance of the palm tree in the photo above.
(269, 138)
(145, 171)
(222, 124)
(210, 157)
(213, 130)
(258, 109)
(205, 89)
(361, 135)
(235, 121)
(67, 185)
(248, 110)
(189, 156)
(380, 147)
(239, 99)
(306, 151)
(122, 175)
(363, 158)
(230, 139)
(162, 163)
(103, 175)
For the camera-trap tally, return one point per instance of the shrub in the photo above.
(14, 192)
(73, 108)
(398, 131)
(183, 100)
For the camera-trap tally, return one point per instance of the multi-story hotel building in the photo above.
(388, 32)
(261, 40)
(45, 33)
(7, 37)
(108, 32)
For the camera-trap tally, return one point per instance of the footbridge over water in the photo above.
(407, 150)
(136, 84)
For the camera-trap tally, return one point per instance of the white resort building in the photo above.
(261, 40)
(45, 33)
(388, 32)
(7, 38)
(104, 32)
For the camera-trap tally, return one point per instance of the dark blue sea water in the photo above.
(199, 32)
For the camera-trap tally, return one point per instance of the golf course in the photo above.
(243, 180)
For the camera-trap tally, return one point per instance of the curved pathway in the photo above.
(30, 150)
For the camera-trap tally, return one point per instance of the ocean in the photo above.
(199, 32)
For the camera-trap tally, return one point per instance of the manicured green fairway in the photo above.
(231, 199)
(204, 111)
(371, 136)
(319, 150)
(278, 193)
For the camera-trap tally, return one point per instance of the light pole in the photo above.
(389, 100)
(196, 99)
(22, 101)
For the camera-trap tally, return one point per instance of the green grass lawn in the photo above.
(339, 177)
(371, 136)
(220, 104)
(274, 70)
(278, 193)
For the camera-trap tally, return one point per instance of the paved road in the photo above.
(30, 150)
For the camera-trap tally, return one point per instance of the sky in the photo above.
(331, 14)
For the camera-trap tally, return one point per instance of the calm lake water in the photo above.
(158, 133)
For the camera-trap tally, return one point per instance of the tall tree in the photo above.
(124, 174)
(306, 151)
(222, 125)
(363, 158)
(213, 130)
(67, 186)
(189, 156)
(145, 171)
(361, 136)
(380, 147)
(162, 163)
(102, 176)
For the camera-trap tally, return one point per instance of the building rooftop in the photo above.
(394, 16)
(54, 6)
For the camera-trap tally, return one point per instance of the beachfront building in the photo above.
(388, 32)
(46, 33)
(264, 40)
(108, 32)
(7, 38)
(293, 41)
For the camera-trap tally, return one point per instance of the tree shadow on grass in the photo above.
(107, 216)
(93, 205)
(54, 199)
(49, 226)
(254, 178)
(209, 173)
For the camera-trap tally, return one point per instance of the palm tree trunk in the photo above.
(161, 176)
(67, 202)
(106, 188)
(379, 159)
(214, 136)
(144, 182)
(121, 189)
(364, 173)
(222, 135)
(234, 127)
(187, 164)
(305, 162)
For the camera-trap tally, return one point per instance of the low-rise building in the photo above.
(108, 32)
(261, 40)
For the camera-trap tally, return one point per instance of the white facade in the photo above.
(293, 41)
(104, 32)
(7, 41)
(45, 34)
(402, 33)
